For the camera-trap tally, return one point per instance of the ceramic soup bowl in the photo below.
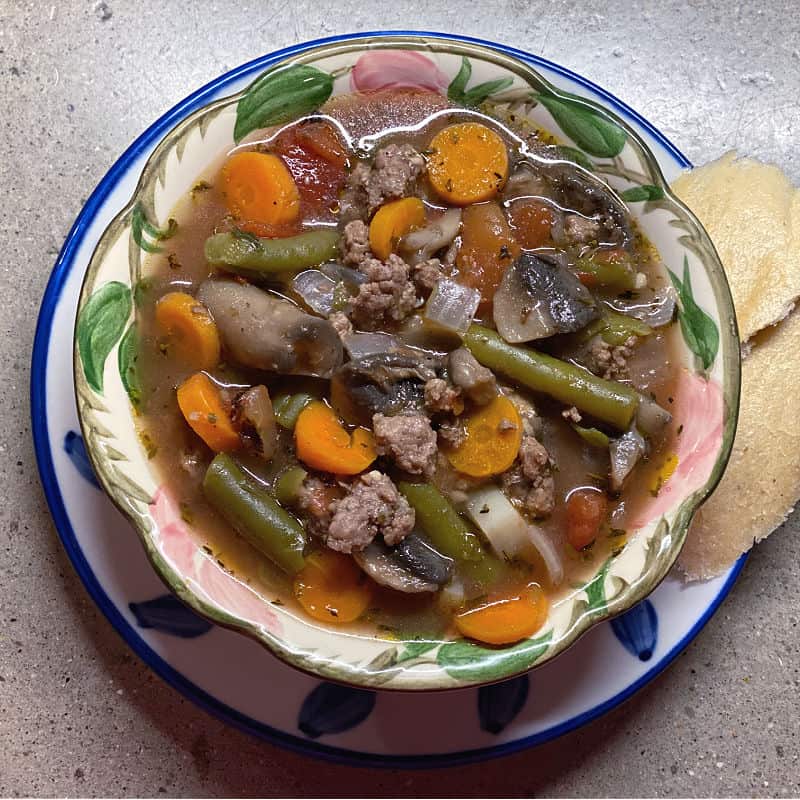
(705, 402)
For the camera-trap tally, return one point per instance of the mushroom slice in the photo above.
(266, 332)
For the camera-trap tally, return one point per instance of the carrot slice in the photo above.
(505, 618)
(200, 402)
(468, 163)
(258, 187)
(189, 327)
(532, 223)
(331, 588)
(586, 510)
(487, 249)
(493, 437)
(323, 443)
(393, 220)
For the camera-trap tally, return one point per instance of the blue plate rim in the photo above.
(55, 500)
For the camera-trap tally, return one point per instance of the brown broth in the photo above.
(182, 267)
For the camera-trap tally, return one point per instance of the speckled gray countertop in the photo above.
(79, 713)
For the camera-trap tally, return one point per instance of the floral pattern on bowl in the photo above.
(107, 387)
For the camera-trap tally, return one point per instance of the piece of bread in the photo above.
(752, 213)
(762, 482)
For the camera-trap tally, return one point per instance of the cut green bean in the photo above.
(618, 275)
(262, 258)
(287, 485)
(447, 531)
(254, 514)
(593, 437)
(613, 328)
(287, 408)
(608, 401)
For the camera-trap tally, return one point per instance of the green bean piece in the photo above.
(593, 437)
(447, 531)
(485, 572)
(253, 257)
(254, 514)
(608, 401)
(287, 408)
(613, 328)
(618, 275)
(618, 328)
(288, 484)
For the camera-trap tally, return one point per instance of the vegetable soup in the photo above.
(407, 369)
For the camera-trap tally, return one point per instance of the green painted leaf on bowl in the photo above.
(100, 326)
(637, 194)
(457, 91)
(590, 130)
(596, 589)
(143, 230)
(467, 661)
(278, 97)
(699, 331)
(416, 649)
(126, 361)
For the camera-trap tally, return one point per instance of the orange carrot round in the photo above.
(468, 163)
(487, 249)
(393, 220)
(331, 588)
(586, 510)
(259, 188)
(505, 618)
(201, 404)
(189, 327)
(532, 223)
(493, 437)
(323, 443)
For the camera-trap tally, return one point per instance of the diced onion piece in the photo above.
(316, 290)
(359, 345)
(452, 306)
(651, 418)
(625, 453)
(338, 273)
(509, 533)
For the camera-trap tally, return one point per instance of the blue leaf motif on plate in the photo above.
(637, 629)
(331, 708)
(168, 615)
(76, 452)
(499, 703)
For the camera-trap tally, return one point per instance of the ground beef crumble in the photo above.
(530, 482)
(610, 362)
(391, 175)
(408, 440)
(388, 294)
(373, 506)
(442, 397)
(355, 243)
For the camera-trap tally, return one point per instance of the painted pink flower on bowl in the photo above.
(396, 69)
(177, 544)
(223, 589)
(698, 410)
(235, 596)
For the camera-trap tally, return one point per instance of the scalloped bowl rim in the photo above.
(722, 298)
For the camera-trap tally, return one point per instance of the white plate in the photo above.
(235, 678)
